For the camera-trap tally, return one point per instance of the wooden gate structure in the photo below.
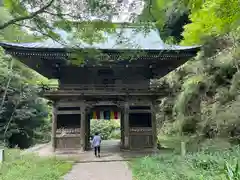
(114, 84)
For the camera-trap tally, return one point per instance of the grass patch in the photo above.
(195, 166)
(32, 167)
(193, 143)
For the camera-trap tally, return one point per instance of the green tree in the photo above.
(212, 18)
(23, 114)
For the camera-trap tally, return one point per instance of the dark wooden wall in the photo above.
(127, 76)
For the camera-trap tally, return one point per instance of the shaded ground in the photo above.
(110, 151)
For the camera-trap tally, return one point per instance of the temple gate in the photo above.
(120, 85)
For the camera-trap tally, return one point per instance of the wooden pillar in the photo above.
(87, 131)
(126, 125)
(83, 127)
(122, 127)
(54, 126)
(154, 125)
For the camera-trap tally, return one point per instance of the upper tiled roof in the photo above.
(130, 37)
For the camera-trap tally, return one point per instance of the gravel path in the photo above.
(100, 171)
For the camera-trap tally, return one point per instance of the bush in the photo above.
(104, 127)
(196, 166)
(116, 134)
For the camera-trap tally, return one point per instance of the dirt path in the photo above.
(117, 170)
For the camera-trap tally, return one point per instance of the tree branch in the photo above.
(41, 32)
(62, 14)
(32, 15)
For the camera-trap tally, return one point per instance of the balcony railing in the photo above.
(100, 88)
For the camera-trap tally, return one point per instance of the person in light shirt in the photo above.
(96, 143)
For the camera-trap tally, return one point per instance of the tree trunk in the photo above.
(7, 85)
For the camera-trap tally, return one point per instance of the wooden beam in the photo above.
(61, 94)
(68, 104)
(140, 111)
(69, 112)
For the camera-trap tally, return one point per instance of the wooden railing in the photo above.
(100, 88)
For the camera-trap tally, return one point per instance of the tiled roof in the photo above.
(130, 39)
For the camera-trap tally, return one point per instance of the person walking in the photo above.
(96, 143)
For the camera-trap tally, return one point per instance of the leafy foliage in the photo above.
(204, 92)
(45, 17)
(212, 18)
(107, 129)
(23, 114)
